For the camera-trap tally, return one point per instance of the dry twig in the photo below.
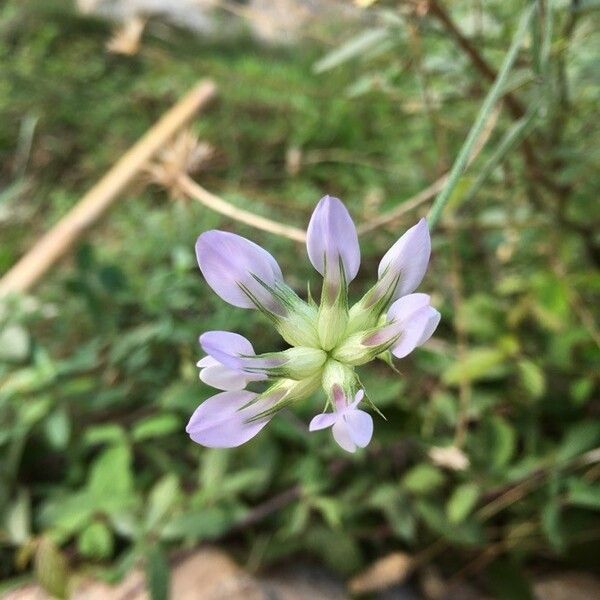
(58, 241)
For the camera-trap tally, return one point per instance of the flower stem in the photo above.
(493, 96)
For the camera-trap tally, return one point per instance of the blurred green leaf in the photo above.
(161, 499)
(14, 343)
(552, 524)
(578, 439)
(462, 502)
(110, 475)
(96, 541)
(197, 525)
(532, 378)
(479, 363)
(58, 428)
(501, 440)
(423, 479)
(583, 493)
(155, 426)
(18, 519)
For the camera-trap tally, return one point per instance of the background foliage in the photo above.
(97, 375)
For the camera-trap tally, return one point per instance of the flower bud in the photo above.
(302, 362)
(297, 328)
(332, 322)
(336, 374)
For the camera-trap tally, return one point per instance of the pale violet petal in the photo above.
(406, 306)
(407, 259)
(223, 422)
(411, 332)
(432, 323)
(223, 378)
(227, 347)
(207, 361)
(231, 264)
(339, 398)
(357, 398)
(331, 237)
(342, 436)
(322, 421)
(399, 316)
(360, 427)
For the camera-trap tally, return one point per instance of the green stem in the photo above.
(460, 164)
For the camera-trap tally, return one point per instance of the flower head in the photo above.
(327, 340)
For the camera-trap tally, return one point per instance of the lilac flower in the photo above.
(351, 427)
(228, 419)
(332, 243)
(238, 270)
(327, 340)
(218, 374)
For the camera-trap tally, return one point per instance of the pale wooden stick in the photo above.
(57, 242)
(189, 187)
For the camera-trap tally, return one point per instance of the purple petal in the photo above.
(398, 315)
(207, 361)
(231, 263)
(432, 323)
(331, 236)
(411, 332)
(236, 352)
(357, 398)
(406, 306)
(407, 259)
(322, 421)
(342, 436)
(223, 378)
(223, 422)
(339, 398)
(360, 427)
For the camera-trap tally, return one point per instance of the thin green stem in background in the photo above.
(512, 137)
(493, 96)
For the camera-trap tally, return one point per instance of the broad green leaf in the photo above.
(467, 533)
(18, 519)
(14, 343)
(58, 428)
(579, 438)
(197, 525)
(502, 440)
(479, 363)
(161, 499)
(462, 502)
(96, 541)
(104, 434)
(156, 426)
(338, 549)
(551, 524)
(423, 479)
(532, 378)
(584, 493)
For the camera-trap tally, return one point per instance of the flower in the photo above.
(351, 427)
(218, 375)
(328, 340)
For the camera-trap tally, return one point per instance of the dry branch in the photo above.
(197, 192)
(57, 242)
